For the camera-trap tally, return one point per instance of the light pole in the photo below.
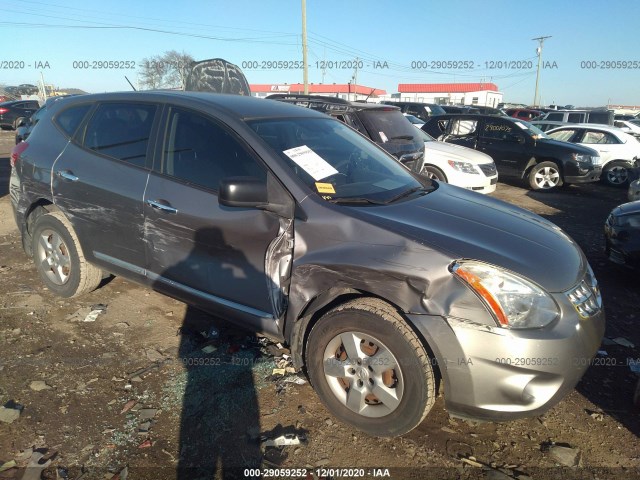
(540, 41)
(305, 70)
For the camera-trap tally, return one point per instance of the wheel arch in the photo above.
(328, 300)
(533, 161)
(42, 206)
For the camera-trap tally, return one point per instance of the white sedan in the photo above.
(618, 150)
(459, 166)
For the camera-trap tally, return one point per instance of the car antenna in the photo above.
(370, 93)
(134, 88)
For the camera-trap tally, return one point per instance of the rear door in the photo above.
(200, 251)
(609, 147)
(99, 180)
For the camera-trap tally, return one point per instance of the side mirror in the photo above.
(243, 192)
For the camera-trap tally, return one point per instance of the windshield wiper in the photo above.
(406, 193)
(355, 200)
(402, 137)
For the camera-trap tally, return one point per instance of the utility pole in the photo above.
(540, 41)
(305, 69)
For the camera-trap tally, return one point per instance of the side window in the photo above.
(121, 130)
(576, 117)
(69, 120)
(592, 136)
(563, 135)
(497, 130)
(555, 117)
(461, 128)
(199, 151)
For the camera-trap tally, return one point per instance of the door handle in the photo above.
(67, 175)
(162, 205)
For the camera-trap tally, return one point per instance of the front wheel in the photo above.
(616, 173)
(370, 369)
(434, 173)
(545, 176)
(59, 258)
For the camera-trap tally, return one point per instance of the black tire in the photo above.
(616, 173)
(434, 173)
(382, 339)
(17, 122)
(59, 257)
(545, 176)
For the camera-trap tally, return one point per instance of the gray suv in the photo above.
(387, 286)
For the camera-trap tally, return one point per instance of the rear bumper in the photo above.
(498, 374)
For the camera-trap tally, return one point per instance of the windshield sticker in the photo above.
(325, 188)
(383, 137)
(522, 125)
(311, 162)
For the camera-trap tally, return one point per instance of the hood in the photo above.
(627, 208)
(455, 152)
(469, 225)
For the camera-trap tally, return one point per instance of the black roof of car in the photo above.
(237, 105)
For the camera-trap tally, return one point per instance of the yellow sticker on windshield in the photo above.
(325, 188)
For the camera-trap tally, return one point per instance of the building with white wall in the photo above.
(485, 94)
(346, 91)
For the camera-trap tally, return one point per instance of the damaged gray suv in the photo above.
(388, 286)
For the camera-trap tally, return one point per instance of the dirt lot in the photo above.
(132, 393)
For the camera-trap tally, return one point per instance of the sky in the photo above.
(587, 61)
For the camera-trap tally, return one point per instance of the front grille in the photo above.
(489, 169)
(585, 297)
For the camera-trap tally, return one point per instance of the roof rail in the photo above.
(308, 98)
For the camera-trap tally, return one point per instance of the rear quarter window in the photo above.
(70, 119)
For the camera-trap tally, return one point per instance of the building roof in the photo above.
(446, 87)
(315, 88)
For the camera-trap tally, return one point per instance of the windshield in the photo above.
(534, 131)
(335, 161)
(425, 136)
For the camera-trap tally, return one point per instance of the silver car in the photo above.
(386, 285)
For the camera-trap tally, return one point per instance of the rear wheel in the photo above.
(370, 369)
(545, 176)
(59, 258)
(434, 173)
(616, 173)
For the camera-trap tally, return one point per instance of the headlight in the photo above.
(588, 159)
(464, 167)
(514, 301)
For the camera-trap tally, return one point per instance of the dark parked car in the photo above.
(459, 109)
(519, 149)
(418, 109)
(384, 124)
(26, 125)
(286, 221)
(13, 112)
(622, 235)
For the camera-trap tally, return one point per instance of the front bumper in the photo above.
(585, 175)
(475, 183)
(491, 373)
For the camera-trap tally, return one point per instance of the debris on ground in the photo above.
(623, 342)
(8, 465)
(39, 385)
(10, 412)
(128, 406)
(95, 311)
(37, 463)
(563, 453)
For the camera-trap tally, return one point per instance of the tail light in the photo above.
(3, 110)
(16, 152)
